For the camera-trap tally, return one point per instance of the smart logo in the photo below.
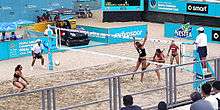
(184, 32)
(153, 3)
(215, 35)
(197, 8)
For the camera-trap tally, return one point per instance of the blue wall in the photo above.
(185, 7)
(172, 28)
(13, 10)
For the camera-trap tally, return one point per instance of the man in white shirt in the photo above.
(206, 90)
(216, 90)
(37, 51)
(201, 43)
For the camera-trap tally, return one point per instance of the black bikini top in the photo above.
(141, 52)
(16, 76)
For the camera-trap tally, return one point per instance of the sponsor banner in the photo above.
(116, 35)
(185, 31)
(166, 6)
(172, 31)
(20, 48)
(216, 35)
(125, 34)
(197, 8)
(185, 7)
(123, 7)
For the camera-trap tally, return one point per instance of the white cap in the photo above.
(200, 29)
(38, 40)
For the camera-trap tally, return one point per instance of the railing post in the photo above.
(167, 85)
(43, 100)
(119, 92)
(49, 100)
(110, 93)
(174, 86)
(54, 99)
(218, 69)
(115, 103)
(170, 85)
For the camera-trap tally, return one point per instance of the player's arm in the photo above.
(24, 78)
(134, 42)
(169, 51)
(42, 48)
(145, 39)
(32, 51)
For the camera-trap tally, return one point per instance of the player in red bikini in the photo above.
(174, 52)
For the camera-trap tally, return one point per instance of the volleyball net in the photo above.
(152, 45)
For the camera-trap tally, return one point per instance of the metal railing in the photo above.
(49, 97)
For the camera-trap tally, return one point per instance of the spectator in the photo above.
(199, 103)
(57, 18)
(67, 24)
(216, 90)
(206, 90)
(128, 103)
(162, 106)
(39, 19)
(81, 12)
(44, 17)
(13, 36)
(3, 36)
(195, 96)
(48, 17)
(88, 11)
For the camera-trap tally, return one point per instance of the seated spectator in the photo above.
(199, 103)
(67, 24)
(216, 90)
(57, 18)
(128, 103)
(3, 37)
(48, 17)
(162, 106)
(81, 12)
(195, 96)
(39, 19)
(44, 17)
(13, 36)
(206, 90)
(88, 11)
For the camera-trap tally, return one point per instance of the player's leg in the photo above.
(136, 67)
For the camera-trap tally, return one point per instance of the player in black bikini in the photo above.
(21, 85)
(142, 57)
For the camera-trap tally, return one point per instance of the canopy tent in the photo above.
(24, 22)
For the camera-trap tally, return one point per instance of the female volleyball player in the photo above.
(174, 52)
(21, 85)
(142, 57)
(160, 58)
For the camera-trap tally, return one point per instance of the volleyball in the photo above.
(57, 63)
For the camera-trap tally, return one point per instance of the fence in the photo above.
(48, 98)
